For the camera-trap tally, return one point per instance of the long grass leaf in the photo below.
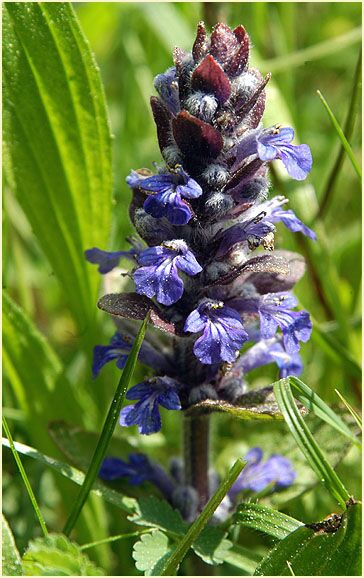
(341, 136)
(108, 429)
(196, 528)
(313, 402)
(25, 479)
(355, 415)
(307, 444)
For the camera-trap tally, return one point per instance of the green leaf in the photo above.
(260, 404)
(329, 548)
(196, 528)
(55, 555)
(159, 514)
(151, 552)
(307, 443)
(243, 558)
(57, 141)
(108, 428)
(31, 366)
(313, 402)
(341, 136)
(265, 520)
(152, 512)
(109, 495)
(11, 562)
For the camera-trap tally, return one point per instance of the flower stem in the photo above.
(196, 455)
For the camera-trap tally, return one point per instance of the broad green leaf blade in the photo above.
(265, 520)
(325, 550)
(11, 562)
(159, 514)
(307, 443)
(126, 504)
(55, 555)
(58, 143)
(313, 402)
(196, 528)
(108, 428)
(341, 136)
(151, 552)
(31, 366)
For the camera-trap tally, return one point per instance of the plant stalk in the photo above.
(196, 455)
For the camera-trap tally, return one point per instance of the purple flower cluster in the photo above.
(205, 263)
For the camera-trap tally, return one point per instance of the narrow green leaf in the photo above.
(307, 443)
(320, 50)
(125, 503)
(55, 555)
(25, 479)
(267, 520)
(57, 142)
(341, 136)
(329, 548)
(108, 428)
(195, 530)
(11, 562)
(352, 411)
(314, 403)
(113, 539)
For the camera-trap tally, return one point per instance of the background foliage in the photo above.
(50, 317)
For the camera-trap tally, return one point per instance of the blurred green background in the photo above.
(307, 47)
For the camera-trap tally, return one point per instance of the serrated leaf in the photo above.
(11, 562)
(267, 520)
(156, 513)
(151, 552)
(212, 546)
(55, 555)
(322, 550)
(57, 141)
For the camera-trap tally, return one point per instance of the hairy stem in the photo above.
(196, 455)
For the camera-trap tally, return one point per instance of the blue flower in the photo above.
(268, 351)
(107, 260)
(254, 231)
(275, 310)
(151, 393)
(138, 469)
(223, 332)
(275, 144)
(158, 274)
(257, 475)
(275, 214)
(166, 194)
(119, 349)
(167, 86)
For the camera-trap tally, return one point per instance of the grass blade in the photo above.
(111, 496)
(355, 415)
(114, 539)
(313, 402)
(108, 429)
(348, 131)
(341, 135)
(265, 520)
(25, 479)
(307, 443)
(196, 528)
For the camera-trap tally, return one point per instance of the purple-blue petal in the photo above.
(107, 260)
(297, 160)
(292, 222)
